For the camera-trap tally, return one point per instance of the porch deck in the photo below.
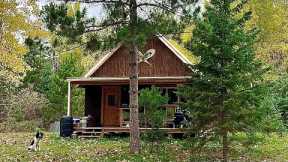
(90, 132)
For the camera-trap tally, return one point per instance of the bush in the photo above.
(23, 126)
(24, 113)
(27, 105)
(280, 99)
(152, 100)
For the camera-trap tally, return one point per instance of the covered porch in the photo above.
(107, 104)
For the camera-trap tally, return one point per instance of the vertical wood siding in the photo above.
(163, 63)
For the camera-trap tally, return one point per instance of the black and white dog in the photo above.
(34, 146)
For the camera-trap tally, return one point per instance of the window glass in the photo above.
(163, 91)
(172, 96)
(125, 96)
(112, 100)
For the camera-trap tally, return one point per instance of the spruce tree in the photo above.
(226, 90)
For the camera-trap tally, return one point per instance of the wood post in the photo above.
(69, 99)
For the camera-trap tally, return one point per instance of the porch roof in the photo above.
(125, 80)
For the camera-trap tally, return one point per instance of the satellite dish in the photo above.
(146, 56)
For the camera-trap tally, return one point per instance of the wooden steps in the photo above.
(89, 132)
(89, 136)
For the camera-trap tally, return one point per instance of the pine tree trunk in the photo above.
(225, 149)
(224, 133)
(134, 117)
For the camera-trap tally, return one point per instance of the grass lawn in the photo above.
(53, 148)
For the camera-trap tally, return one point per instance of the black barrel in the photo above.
(66, 126)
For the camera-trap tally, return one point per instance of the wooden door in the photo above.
(111, 106)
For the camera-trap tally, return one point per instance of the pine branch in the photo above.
(158, 5)
(104, 26)
(163, 7)
(97, 1)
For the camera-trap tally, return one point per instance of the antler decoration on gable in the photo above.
(146, 56)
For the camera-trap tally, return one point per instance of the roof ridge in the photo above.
(178, 53)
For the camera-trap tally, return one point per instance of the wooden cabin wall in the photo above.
(93, 104)
(163, 63)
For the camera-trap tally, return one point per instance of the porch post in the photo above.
(69, 99)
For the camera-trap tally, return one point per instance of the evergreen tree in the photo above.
(51, 82)
(279, 92)
(226, 90)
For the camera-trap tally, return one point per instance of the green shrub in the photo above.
(152, 100)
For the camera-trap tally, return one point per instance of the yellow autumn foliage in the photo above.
(184, 52)
(271, 17)
(186, 36)
(73, 8)
(15, 25)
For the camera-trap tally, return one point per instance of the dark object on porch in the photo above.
(66, 126)
(178, 119)
(92, 121)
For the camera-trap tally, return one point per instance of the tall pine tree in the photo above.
(225, 93)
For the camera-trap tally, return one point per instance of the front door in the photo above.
(111, 106)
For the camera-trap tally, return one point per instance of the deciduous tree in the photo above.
(271, 17)
(15, 24)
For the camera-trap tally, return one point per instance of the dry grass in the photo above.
(53, 148)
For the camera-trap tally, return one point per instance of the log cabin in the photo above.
(106, 84)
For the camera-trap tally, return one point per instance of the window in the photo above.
(172, 96)
(171, 93)
(125, 96)
(112, 100)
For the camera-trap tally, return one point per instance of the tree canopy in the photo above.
(226, 91)
(15, 24)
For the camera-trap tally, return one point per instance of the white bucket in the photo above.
(83, 122)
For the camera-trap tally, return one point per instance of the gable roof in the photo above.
(184, 52)
(175, 50)
(102, 61)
